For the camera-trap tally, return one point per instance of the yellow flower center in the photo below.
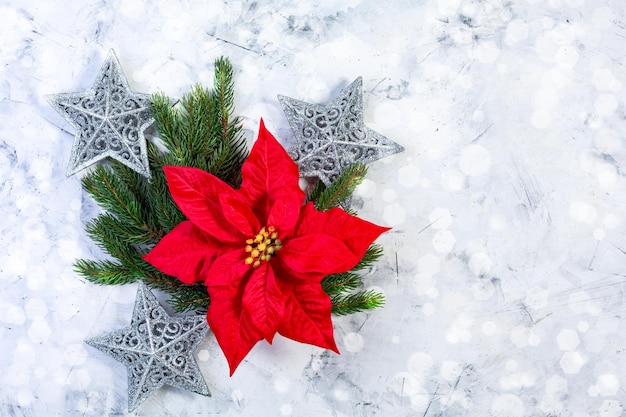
(263, 246)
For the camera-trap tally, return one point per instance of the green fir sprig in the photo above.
(350, 303)
(199, 131)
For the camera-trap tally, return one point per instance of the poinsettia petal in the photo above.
(233, 327)
(228, 270)
(268, 175)
(246, 305)
(314, 256)
(240, 216)
(284, 214)
(308, 319)
(186, 253)
(196, 193)
(263, 300)
(355, 233)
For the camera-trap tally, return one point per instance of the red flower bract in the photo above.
(260, 251)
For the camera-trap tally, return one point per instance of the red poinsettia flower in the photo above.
(261, 251)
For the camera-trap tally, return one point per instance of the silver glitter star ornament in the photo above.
(330, 138)
(109, 120)
(157, 349)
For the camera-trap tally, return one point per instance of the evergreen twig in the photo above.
(359, 301)
(340, 190)
(191, 298)
(336, 284)
(372, 254)
(104, 272)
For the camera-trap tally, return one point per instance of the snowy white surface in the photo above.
(505, 271)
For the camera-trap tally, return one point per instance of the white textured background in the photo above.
(504, 272)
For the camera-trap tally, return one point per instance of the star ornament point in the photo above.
(109, 120)
(261, 252)
(330, 138)
(156, 349)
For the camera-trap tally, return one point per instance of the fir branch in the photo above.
(191, 298)
(166, 121)
(158, 279)
(104, 272)
(183, 297)
(137, 184)
(163, 208)
(201, 132)
(336, 284)
(373, 253)
(227, 160)
(127, 233)
(107, 239)
(225, 94)
(198, 116)
(360, 301)
(233, 151)
(340, 190)
(115, 196)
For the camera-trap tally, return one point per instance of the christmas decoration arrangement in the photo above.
(225, 232)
